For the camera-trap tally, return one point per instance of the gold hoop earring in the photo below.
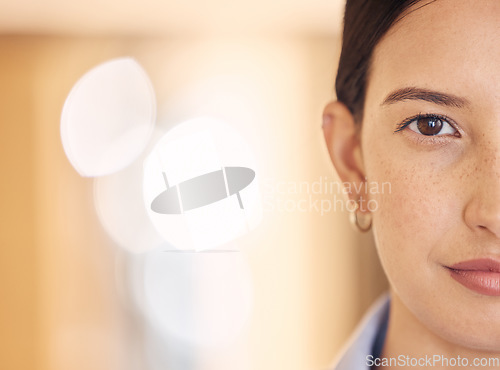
(361, 221)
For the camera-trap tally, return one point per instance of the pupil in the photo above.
(429, 126)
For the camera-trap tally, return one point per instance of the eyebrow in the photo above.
(415, 93)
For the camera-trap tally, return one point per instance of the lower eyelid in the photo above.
(423, 140)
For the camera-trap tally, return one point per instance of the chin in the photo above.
(469, 327)
(487, 340)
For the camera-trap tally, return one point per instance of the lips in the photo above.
(480, 275)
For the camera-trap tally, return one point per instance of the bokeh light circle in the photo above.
(187, 153)
(108, 117)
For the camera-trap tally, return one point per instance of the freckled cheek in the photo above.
(410, 219)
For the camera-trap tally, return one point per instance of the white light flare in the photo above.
(108, 118)
(201, 185)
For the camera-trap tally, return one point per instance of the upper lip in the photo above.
(480, 264)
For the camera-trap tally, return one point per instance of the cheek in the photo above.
(413, 213)
(415, 209)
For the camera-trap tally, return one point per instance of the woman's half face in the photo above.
(431, 128)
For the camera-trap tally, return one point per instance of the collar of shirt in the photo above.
(366, 342)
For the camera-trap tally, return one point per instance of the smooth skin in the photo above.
(444, 204)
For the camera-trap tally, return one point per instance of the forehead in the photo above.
(450, 44)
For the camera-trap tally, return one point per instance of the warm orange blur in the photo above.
(61, 306)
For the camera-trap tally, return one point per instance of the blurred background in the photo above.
(72, 293)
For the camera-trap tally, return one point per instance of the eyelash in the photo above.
(401, 126)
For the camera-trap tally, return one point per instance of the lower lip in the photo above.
(483, 282)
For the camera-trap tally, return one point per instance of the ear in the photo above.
(344, 146)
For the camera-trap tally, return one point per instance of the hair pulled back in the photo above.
(365, 23)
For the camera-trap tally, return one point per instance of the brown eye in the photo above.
(431, 126)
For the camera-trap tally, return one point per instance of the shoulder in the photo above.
(367, 340)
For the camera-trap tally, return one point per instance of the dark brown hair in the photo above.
(365, 23)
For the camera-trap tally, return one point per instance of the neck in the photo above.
(408, 340)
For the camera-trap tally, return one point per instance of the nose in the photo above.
(482, 212)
